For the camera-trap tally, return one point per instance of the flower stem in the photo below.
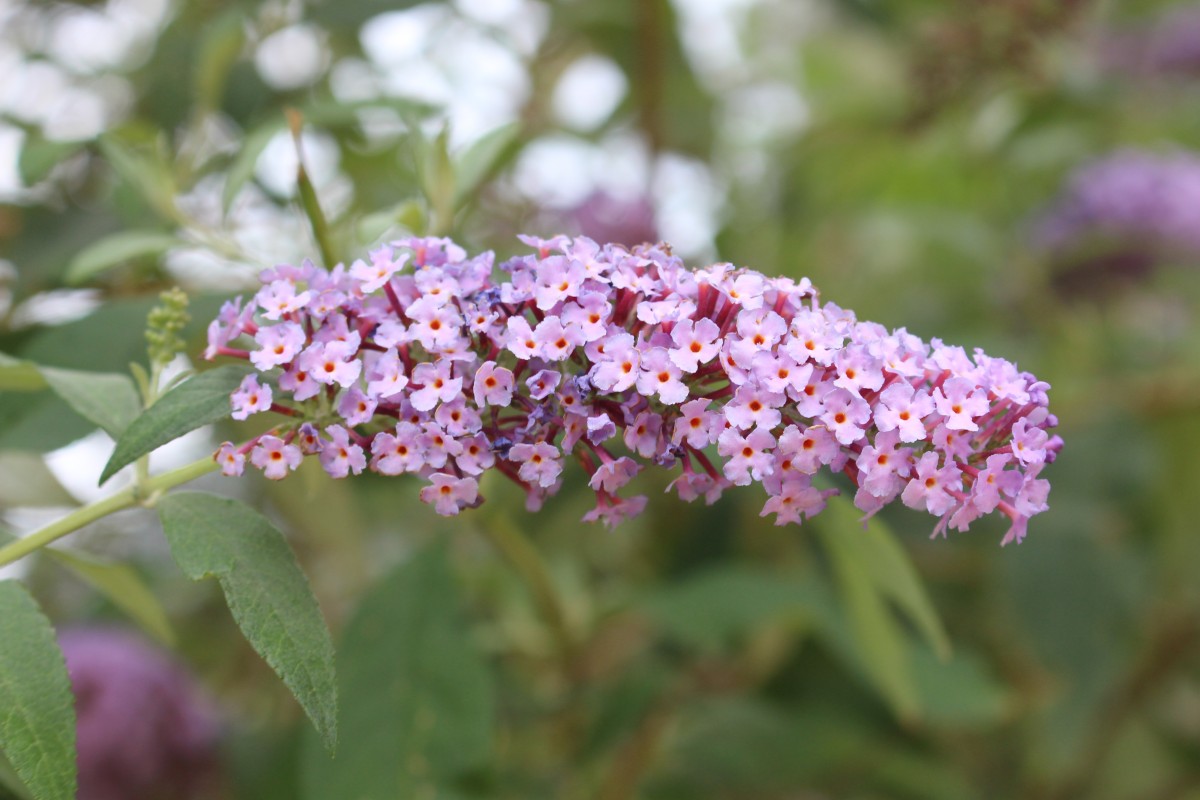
(145, 494)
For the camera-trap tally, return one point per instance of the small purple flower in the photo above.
(278, 344)
(250, 398)
(436, 385)
(931, 488)
(696, 343)
(660, 376)
(543, 383)
(387, 378)
(332, 362)
(749, 457)
(340, 456)
(448, 494)
(493, 385)
(795, 498)
(539, 462)
(275, 458)
(356, 407)
(232, 461)
(398, 452)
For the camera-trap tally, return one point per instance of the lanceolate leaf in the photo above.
(482, 159)
(267, 593)
(416, 702)
(876, 631)
(243, 164)
(120, 583)
(114, 250)
(37, 714)
(198, 401)
(891, 570)
(107, 399)
(19, 376)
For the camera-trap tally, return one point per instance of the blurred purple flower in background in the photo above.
(605, 217)
(1120, 216)
(1168, 44)
(145, 730)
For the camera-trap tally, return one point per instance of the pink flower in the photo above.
(539, 462)
(448, 495)
(274, 457)
(660, 376)
(794, 499)
(435, 383)
(339, 456)
(278, 344)
(398, 452)
(749, 456)
(931, 487)
(493, 385)
(372, 277)
(695, 344)
(620, 358)
(331, 363)
(250, 398)
(232, 461)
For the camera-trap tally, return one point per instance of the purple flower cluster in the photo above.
(419, 361)
(144, 730)
(1136, 198)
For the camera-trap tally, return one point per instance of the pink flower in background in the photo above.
(144, 728)
(432, 366)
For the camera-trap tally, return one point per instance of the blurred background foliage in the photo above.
(907, 156)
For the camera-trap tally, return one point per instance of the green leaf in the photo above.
(220, 46)
(25, 480)
(438, 180)
(143, 169)
(876, 632)
(265, 589)
(117, 249)
(200, 400)
(107, 399)
(481, 160)
(243, 163)
(120, 583)
(714, 607)
(416, 702)
(891, 570)
(39, 156)
(37, 712)
(961, 692)
(19, 376)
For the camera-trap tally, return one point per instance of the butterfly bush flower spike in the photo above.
(421, 360)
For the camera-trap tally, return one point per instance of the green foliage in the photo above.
(119, 583)
(107, 399)
(709, 654)
(115, 250)
(37, 718)
(268, 595)
(200, 400)
(416, 698)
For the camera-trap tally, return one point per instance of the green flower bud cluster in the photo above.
(163, 325)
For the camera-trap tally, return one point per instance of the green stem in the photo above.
(526, 560)
(144, 494)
